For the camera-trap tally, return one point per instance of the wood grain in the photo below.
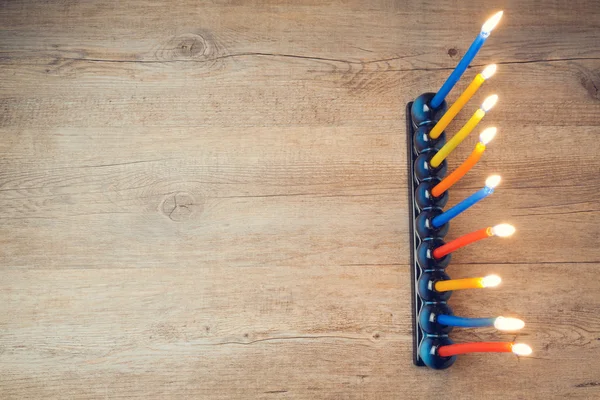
(207, 199)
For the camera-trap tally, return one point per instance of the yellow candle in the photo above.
(464, 131)
(462, 100)
(467, 283)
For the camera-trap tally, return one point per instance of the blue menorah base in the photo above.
(420, 119)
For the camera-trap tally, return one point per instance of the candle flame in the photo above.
(491, 23)
(489, 71)
(493, 181)
(521, 349)
(490, 281)
(508, 324)
(503, 230)
(489, 102)
(487, 135)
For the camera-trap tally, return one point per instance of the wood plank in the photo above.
(221, 332)
(413, 33)
(283, 91)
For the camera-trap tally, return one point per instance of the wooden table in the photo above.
(209, 199)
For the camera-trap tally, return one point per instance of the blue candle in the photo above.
(454, 77)
(500, 323)
(451, 320)
(488, 189)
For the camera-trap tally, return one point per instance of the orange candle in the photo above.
(519, 349)
(502, 230)
(462, 241)
(484, 138)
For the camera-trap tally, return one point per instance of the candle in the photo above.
(462, 134)
(502, 230)
(484, 138)
(462, 100)
(467, 283)
(486, 29)
(500, 323)
(519, 349)
(488, 189)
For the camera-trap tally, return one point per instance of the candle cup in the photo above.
(423, 169)
(428, 319)
(424, 227)
(425, 257)
(426, 286)
(423, 142)
(429, 355)
(422, 112)
(424, 197)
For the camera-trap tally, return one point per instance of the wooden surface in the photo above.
(208, 199)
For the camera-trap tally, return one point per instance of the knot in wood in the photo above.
(452, 52)
(590, 80)
(188, 46)
(180, 206)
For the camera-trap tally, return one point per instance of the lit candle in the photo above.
(488, 189)
(467, 283)
(457, 139)
(500, 323)
(502, 230)
(486, 29)
(462, 100)
(484, 138)
(519, 349)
